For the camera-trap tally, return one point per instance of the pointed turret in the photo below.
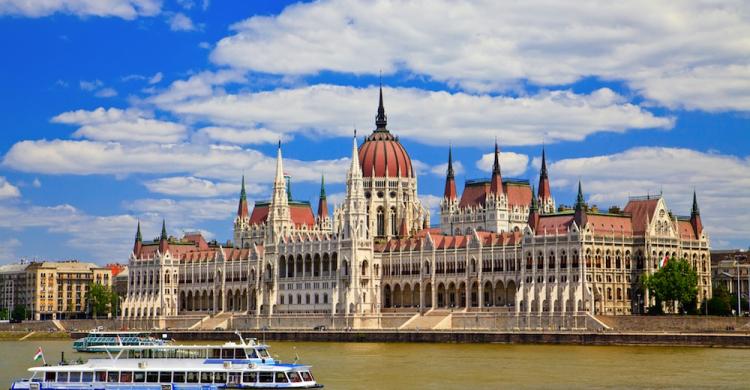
(279, 216)
(450, 180)
(533, 213)
(354, 208)
(381, 121)
(580, 209)
(695, 217)
(242, 207)
(322, 203)
(138, 240)
(163, 239)
(544, 193)
(496, 185)
(403, 230)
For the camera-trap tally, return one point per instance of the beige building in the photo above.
(51, 290)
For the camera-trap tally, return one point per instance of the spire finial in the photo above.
(322, 187)
(543, 172)
(138, 237)
(243, 194)
(381, 120)
(695, 210)
(163, 230)
(580, 201)
(496, 164)
(451, 174)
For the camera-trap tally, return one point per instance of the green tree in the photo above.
(99, 298)
(4, 315)
(677, 282)
(19, 312)
(720, 303)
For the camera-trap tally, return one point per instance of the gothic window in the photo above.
(394, 225)
(381, 222)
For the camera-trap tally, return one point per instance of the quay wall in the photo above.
(732, 340)
(676, 323)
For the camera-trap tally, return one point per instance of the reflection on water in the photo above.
(476, 366)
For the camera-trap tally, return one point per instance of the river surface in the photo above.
(394, 366)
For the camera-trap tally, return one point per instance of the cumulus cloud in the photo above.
(239, 136)
(490, 45)
(125, 9)
(185, 212)
(180, 22)
(8, 249)
(721, 182)
(210, 161)
(442, 169)
(115, 124)
(423, 116)
(8, 190)
(189, 186)
(511, 164)
(106, 93)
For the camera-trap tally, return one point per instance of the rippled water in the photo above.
(474, 366)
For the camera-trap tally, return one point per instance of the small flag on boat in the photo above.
(119, 340)
(39, 354)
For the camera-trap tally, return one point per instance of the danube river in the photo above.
(394, 366)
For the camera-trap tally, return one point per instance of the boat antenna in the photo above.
(242, 341)
(296, 356)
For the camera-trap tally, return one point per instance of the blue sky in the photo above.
(114, 111)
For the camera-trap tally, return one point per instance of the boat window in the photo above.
(152, 377)
(75, 376)
(87, 377)
(227, 353)
(220, 377)
(113, 376)
(62, 376)
(249, 377)
(126, 377)
(192, 377)
(165, 377)
(216, 353)
(207, 377)
(294, 377)
(49, 376)
(239, 353)
(263, 353)
(179, 377)
(251, 354)
(265, 377)
(139, 377)
(281, 377)
(234, 378)
(101, 376)
(306, 376)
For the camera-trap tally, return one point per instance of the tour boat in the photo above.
(94, 340)
(246, 365)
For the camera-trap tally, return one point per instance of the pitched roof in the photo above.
(301, 213)
(642, 211)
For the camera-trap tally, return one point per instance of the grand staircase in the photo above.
(433, 319)
(218, 321)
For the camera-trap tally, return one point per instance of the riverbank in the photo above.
(24, 335)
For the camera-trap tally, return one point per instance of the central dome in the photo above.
(381, 153)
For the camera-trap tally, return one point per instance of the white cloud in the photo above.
(442, 169)
(721, 181)
(156, 78)
(511, 164)
(36, 183)
(422, 116)
(8, 190)
(239, 136)
(90, 85)
(200, 188)
(8, 248)
(114, 124)
(209, 161)
(491, 45)
(185, 212)
(125, 9)
(181, 22)
(106, 93)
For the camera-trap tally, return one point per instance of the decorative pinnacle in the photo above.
(138, 237)
(322, 187)
(543, 172)
(534, 206)
(496, 165)
(381, 120)
(580, 201)
(163, 230)
(243, 194)
(451, 174)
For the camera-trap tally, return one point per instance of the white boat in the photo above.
(246, 365)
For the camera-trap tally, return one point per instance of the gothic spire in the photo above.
(580, 209)
(163, 230)
(381, 120)
(533, 212)
(451, 174)
(450, 182)
(322, 186)
(544, 193)
(138, 237)
(322, 203)
(242, 207)
(695, 217)
(695, 210)
(496, 185)
(163, 240)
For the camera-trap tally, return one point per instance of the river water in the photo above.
(394, 366)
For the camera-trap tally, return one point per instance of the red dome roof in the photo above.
(382, 150)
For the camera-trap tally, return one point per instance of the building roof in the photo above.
(301, 213)
(475, 193)
(642, 211)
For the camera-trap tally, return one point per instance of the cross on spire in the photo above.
(381, 121)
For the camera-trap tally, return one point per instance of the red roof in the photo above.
(607, 225)
(381, 150)
(475, 194)
(642, 211)
(518, 194)
(685, 230)
(301, 214)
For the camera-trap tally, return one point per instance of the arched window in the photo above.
(381, 222)
(394, 224)
(325, 298)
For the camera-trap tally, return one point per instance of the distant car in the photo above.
(320, 327)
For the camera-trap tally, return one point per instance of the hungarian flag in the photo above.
(39, 354)
(663, 261)
(119, 340)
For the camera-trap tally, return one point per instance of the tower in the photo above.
(580, 208)
(695, 217)
(449, 203)
(279, 216)
(544, 195)
(242, 220)
(138, 240)
(323, 220)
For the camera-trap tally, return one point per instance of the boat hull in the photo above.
(149, 386)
